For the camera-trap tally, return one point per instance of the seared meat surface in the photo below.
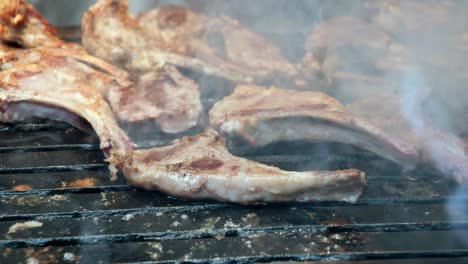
(214, 45)
(354, 56)
(20, 23)
(129, 101)
(38, 84)
(360, 58)
(331, 41)
(216, 40)
(22, 27)
(433, 31)
(163, 95)
(201, 167)
(435, 35)
(387, 116)
(258, 116)
(416, 17)
(441, 149)
(380, 124)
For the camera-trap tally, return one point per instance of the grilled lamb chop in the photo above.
(259, 116)
(201, 167)
(436, 146)
(347, 44)
(434, 31)
(174, 35)
(434, 34)
(177, 107)
(416, 17)
(165, 96)
(351, 55)
(36, 84)
(20, 23)
(376, 123)
(354, 56)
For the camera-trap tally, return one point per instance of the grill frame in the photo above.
(412, 224)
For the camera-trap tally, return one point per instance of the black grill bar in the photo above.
(60, 168)
(160, 236)
(228, 232)
(125, 188)
(332, 257)
(119, 212)
(34, 127)
(322, 252)
(178, 209)
(48, 192)
(49, 148)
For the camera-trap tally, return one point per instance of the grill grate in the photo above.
(400, 216)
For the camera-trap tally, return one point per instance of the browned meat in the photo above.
(436, 146)
(434, 31)
(435, 36)
(354, 56)
(376, 123)
(165, 96)
(384, 111)
(20, 23)
(38, 84)
(174, 35)
(416, 17)
(261, 116)
(360, 60)
(346, 44)
(201, 167)
(216, 39)
(177, 107)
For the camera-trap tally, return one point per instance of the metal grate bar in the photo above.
(238, 250)
(59, 168)
(331, 257)
(62, 191)
(124, 188)
(248, 232)
(177, 209)
(49, 148)
(118, 212)
(34, 127)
